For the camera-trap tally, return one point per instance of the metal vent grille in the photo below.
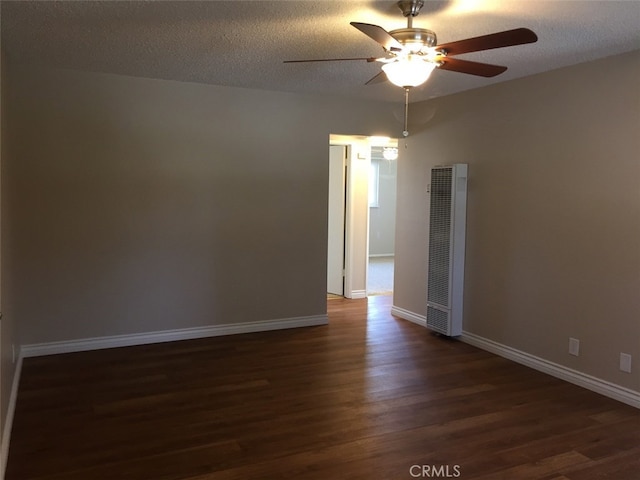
(438, 320)
(439, 236)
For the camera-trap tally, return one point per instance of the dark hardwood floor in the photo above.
(367, 397)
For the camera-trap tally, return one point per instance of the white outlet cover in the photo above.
(574, 346)
(625, 362)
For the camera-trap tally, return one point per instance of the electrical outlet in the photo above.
(574, 346)
(625, 362)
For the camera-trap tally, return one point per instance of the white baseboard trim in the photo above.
(608, 389)
(376, 255)
(358, 294)
(8, 422)
(407, 315)
(97, 343)
(611, 390)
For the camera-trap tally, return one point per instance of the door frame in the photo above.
(337, 224)
(356, 213)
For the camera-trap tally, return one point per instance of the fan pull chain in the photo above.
(405, 132)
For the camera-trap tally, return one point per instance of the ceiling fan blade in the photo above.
(380, 35)
(472, 68)
(509, 38)
(379, 78)
(368, 59)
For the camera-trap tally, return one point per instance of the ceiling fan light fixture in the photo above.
(410, 71)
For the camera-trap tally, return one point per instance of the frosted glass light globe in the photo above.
(409, 71)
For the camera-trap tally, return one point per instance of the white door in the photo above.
(336, 237)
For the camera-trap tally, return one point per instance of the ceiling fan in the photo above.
(411, 54)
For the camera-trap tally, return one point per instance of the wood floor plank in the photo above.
(366, 397)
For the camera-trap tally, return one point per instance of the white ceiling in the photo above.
(243, 43)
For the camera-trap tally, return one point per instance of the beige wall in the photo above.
(143, 205)
(553, 232)
(7, 337)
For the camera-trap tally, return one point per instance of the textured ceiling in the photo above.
(243, 43)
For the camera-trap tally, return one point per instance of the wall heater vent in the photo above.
(447, 226)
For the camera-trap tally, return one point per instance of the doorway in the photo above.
(354, 239)
(349, 213)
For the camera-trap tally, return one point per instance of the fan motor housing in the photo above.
(410, 8)
(415, 36)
